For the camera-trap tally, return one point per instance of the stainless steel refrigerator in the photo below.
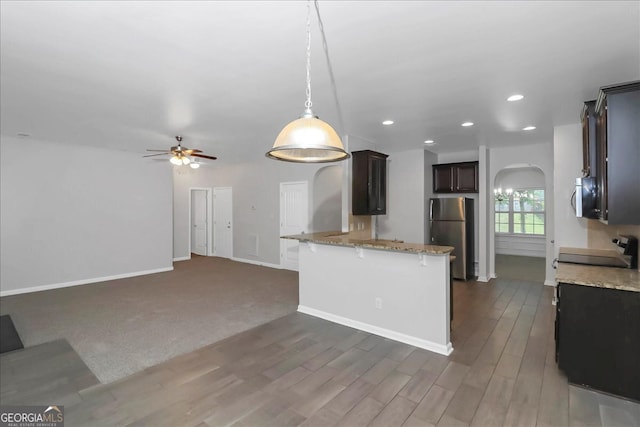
(451, 224)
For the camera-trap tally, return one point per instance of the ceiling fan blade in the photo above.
(191, 150)
(204, 157)
(159, 154)
(164, 151)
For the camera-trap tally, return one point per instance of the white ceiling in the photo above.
(229, 75)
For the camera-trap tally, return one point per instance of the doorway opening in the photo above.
(520, 226)
(199, 221)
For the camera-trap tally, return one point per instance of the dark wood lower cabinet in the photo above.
(598, 338)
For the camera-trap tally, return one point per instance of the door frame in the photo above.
(209, 218)
(213, 253)
(280, 232)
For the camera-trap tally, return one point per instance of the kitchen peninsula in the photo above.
(392, 289)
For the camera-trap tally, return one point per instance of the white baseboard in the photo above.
(396, 336)
(81, 282)
(484, 279)
(550, 283)
(251, 261)
(182, 258)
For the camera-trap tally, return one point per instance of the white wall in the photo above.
(571, 231)
(405, 219)
(533, 155)
(327, 199)
(458, 156)
(513, 244)
(74, 214)
(256, 202)
(519, 178)
(430, 159)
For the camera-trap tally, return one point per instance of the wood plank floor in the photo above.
(300, 370)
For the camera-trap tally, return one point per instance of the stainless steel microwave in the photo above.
(585, 197)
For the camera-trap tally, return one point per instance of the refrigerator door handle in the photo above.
(431, 210)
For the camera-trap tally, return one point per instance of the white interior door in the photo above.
(294, 219)
(199, 226)
(223, 222)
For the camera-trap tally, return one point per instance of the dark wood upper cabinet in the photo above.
(455, 177)
(369, 184)
(442, 179)
(588, 118)
(618, 153)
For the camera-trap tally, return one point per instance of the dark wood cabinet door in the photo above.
(466, 178)
(598, 339)
(377, 188)
(586, 171)
(618, 153)
(369, 183)
(588, 117)
(442, 179)
(601, 160)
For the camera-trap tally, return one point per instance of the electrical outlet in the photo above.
(378, 303)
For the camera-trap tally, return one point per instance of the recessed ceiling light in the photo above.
(516, 97)
(387, 122)
(529, 128)
(429, 141)
(467, 124)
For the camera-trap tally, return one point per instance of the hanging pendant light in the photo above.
(308, 139)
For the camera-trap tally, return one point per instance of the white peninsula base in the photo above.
(403, 296)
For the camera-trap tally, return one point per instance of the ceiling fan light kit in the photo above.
(180, 160)
(308, 139)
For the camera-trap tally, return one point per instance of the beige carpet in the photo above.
(520, 267)
(123, 326)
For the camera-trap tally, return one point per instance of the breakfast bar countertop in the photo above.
(338, 238)
(624, 279)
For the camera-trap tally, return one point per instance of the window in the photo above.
(520, 211)
(502, 215)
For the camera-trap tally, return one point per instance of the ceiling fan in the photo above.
(180, 154)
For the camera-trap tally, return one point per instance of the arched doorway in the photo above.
(520, 223)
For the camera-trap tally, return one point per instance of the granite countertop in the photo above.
(590, 251)
(338, 238)
(600, 277)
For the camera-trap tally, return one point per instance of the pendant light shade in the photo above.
(309, 139)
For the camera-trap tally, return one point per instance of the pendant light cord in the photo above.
(308, 104)
(325, 47)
